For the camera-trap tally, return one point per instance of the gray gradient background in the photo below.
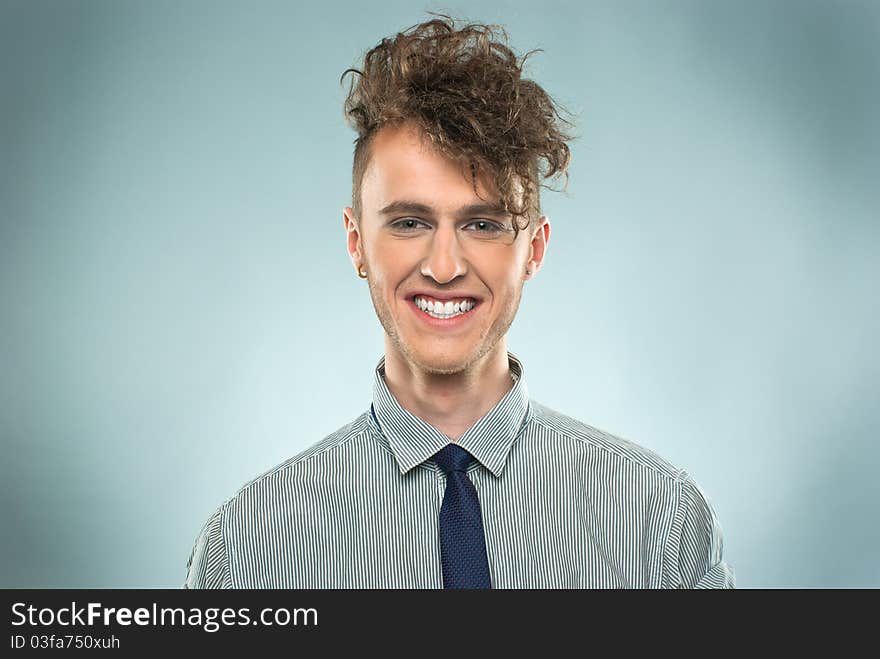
(179, 312)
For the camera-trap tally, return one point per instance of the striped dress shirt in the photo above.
(564, 505)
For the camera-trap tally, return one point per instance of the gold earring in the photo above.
(528, 272)
(361, 274)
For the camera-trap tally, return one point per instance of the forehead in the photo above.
(403, 164)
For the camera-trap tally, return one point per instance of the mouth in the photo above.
(439, 313)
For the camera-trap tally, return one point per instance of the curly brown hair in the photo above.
(464, 88)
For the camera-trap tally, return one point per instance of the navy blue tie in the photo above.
(462, 538)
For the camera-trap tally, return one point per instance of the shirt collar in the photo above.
(413, 441)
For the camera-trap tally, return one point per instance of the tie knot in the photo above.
(452, 457)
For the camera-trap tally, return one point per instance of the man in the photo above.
(454, 477)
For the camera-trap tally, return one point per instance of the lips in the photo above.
(443, 297)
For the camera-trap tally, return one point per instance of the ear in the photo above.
(353, 237)
(538, 246)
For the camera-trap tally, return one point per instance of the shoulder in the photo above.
(581, 436)
(347, 436)
(212, 556)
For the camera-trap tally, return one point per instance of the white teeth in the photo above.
(444, 310)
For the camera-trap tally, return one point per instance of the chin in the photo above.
(441, 366)
(443, 369)
(446, 362)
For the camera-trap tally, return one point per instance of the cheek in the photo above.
(503, 274)
(392, 269)
(395, 270)
(495, 262)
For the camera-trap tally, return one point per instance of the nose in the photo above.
(445, 260)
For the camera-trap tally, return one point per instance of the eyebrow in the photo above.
(407, 206)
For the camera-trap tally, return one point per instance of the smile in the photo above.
(444, 310)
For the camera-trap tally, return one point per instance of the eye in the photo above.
(407, 224)
(485, 226)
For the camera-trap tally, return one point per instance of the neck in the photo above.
(451, 403)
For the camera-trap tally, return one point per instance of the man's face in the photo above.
(426, 239)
